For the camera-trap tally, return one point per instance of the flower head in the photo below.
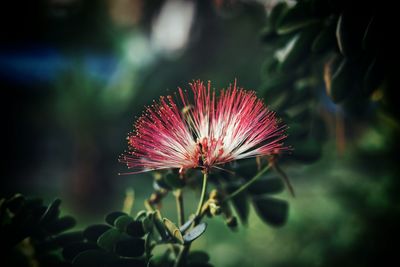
(199, 129)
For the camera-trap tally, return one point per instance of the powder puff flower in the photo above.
(198, 129)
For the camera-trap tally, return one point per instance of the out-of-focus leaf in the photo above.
(195, 233)
(109, 238)
(295, 18)
(246, 169)
(268, 34)
(141, 215)
(198, 257)
(111, 217)
(130, 247)
(122, 222)
(15, 202)
(325, 40)
(266, 186)
(297, 49)
(72, 250)
(94, 257)
(342, 82)
(93, 232)
(241, 204)
(371, 36)
(276, 14)
(271, 210)
(61, 224)
(148, 222)
(350, 32)
(135, 229)
(232, 222)
(129, 263)
(52, 212)
(67, 238)
(373, 77)
(173, 181)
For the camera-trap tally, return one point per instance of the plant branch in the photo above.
(180, 260)
(179, 206)
(248, 183)
(202, 196)
(284, 177)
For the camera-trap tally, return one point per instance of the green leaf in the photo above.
(129, 263)
(373, 77)
(195, 233)
(231, 222)
(135, 229)
(148, 244)
(297, 49)
(109, 238)
(342, 81)
(93, 232)
(371, 36)
(122, 222)
(162, 260)
(266, 186)
(94, 257)
(111, 217)
(271, 210)
(295, 18)
(52, 212)
(324, 40)
(141, 215)
(68, 238)
(72, 250)
(173, 231)
(350, 31)
(61, 224)
(130, 247)
(15, 202)
(148, 223)
(241, 204)
(295, 26)
(276, 13)
(246, 169)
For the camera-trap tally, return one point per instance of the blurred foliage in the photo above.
(32, 233)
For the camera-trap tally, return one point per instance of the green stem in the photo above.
(181, 259)
(284, 177)
(179, 206)
(203, 194)
(247, 184)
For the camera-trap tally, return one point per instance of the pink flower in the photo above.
(201, 130)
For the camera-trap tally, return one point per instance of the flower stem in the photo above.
(284, 177)
(180, 260)
(179, 206)
(248, 183)
(203, 194)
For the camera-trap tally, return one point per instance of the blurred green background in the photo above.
(74, 74)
